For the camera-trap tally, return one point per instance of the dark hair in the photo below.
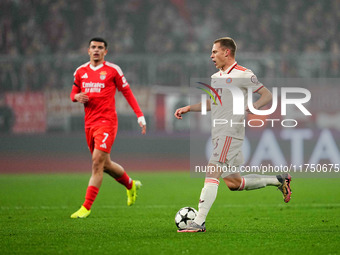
(227, 42)
(98, 39)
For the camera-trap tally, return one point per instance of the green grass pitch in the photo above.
(35, 210)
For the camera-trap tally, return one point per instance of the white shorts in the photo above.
(227, 153)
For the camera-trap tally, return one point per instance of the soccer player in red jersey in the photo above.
(95, 85)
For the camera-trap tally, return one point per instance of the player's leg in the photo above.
(99, 141)
(119, 174)
(255, 181)
(208, 193)
(207, 198)
(98, 159)
(105, 137)
(211, 183)
(250, 182)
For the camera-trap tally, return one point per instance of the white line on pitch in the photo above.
(171, 206)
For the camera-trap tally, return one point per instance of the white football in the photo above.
(185, 216)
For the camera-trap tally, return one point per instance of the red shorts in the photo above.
(101, 138)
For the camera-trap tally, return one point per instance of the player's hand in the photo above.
(142, 123)
(180, 111)
(82, 97)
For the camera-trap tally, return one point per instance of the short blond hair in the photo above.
(227, 42)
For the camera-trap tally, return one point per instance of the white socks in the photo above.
(256, 181)
(209, 191)
(207, 198)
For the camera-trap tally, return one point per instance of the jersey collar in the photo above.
(229, 69)
(95, 68)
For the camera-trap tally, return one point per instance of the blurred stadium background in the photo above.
(159, 45)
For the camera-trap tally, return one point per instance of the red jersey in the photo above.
(100, 84)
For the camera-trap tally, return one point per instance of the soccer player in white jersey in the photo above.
(228, 139)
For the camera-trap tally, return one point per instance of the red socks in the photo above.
(125, 180)
(91, 194)
(92, 191)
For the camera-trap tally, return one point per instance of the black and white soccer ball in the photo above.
(185, 216)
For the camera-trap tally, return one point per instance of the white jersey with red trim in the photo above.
(224, 121)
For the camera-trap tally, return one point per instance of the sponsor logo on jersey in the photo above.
(124, 82)
(85, 76)
(254, 79)
(93, 87)
(102, 75)
(103, 146)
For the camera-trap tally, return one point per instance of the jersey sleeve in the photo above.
(76, 86)
(120, 79)
(252, 81)
(124, 87)
(130, 98)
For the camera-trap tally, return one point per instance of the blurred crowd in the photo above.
(62, 28)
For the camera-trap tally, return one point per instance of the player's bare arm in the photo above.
(265, 98)
(81, 97)
(190, 108)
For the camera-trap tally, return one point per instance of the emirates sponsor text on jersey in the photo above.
(93, 87)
